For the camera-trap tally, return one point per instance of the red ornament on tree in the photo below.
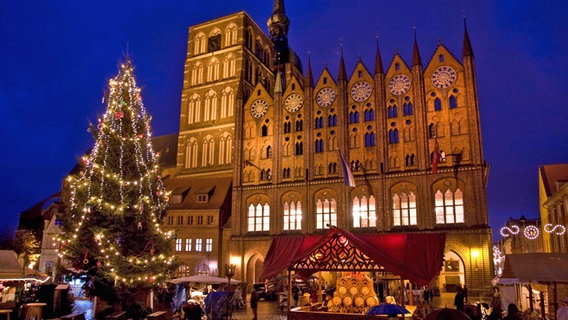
(119, 115)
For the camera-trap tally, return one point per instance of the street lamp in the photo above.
(229, 273)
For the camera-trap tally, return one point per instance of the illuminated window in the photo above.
(449, 207)
(292, 215)
(208, 245)
(326, 213)
(198, 245)
(259, 217)
(188, 245)
(404, 209)
(364, 212)
(178, 244)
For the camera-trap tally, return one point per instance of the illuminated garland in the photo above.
(533, 232)
(498, 260)
(124, 126)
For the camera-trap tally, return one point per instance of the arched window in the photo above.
(292, 216)
(287, 127)
(268, 152)
(437, 104)
(194, 109)
(392, 111)
(225, 148)
(208, 149)
(369, 115)
(408, 109)
(199, 44)
(319, 122)
(264, 130)
(354, 117)
(393, 136)
(326, 213)
(299, 125)
(197, 74)
(229, 66)
(319, 145)
(332, 120)
(370, 139)
(332, 167)
(299, 148)
(453, 102)
(210, 112)
(227, 102)
(409, 160)
(449, 207)
(191, 154)
(259, 217)
(213, 70)
(364, 212)
(404, 209)
(432, 132)
(230, 35)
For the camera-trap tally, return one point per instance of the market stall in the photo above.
(416, 257)
(534, 281)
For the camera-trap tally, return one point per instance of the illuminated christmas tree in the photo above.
(116, 203)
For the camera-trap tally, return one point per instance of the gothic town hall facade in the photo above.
(258, 151)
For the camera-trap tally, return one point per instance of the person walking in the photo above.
(459, 299)
(254, 304)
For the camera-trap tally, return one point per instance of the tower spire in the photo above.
(416, 61)
(467, 50)
(309, 81)
(378, 61)
(342, 73)
(278, 25)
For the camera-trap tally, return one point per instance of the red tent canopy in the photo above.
(417, 257)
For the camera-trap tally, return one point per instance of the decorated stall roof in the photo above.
(414, 256)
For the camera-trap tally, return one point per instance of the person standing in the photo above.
(254, 304)
(459, 299)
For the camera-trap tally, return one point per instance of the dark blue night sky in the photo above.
(57, 56)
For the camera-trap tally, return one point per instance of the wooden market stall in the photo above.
(416, 257)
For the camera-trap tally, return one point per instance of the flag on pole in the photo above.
(347, 174)
(435, 157)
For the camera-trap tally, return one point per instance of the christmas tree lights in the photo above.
(115, 204)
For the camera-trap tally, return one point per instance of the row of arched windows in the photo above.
(202, 41)
(212, 70)
(202, 153)
(452, 102)
(449, 209)
(210, 107)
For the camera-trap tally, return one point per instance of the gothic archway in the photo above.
(453, 272)
(254, 268)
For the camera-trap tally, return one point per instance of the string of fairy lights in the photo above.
(127, 124)
(531, 232)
